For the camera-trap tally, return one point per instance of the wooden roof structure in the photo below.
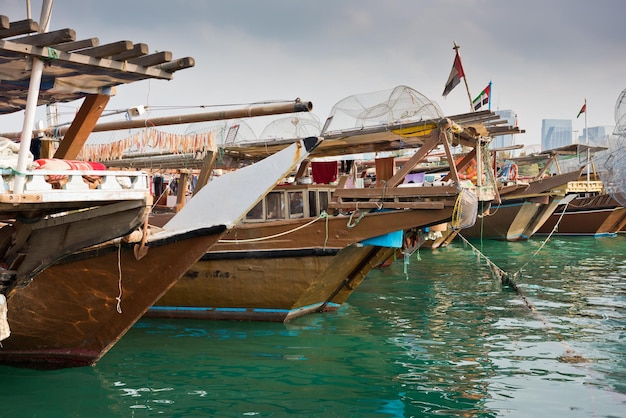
(74, 68)
(393, 137)
(390, 137)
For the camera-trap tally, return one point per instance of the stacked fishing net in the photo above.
(613, 174)
(399, 105)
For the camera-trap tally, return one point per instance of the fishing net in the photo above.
(613, 172)
(294, 126)
(465, 210)
(401, 104)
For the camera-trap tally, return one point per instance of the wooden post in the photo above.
(82, 126)
(205, 171)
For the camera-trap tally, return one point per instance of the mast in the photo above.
(587, 143)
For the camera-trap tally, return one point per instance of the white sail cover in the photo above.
(226, 199)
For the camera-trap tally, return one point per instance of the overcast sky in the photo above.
(544, 57)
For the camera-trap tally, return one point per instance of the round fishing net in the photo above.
(293, 126)
(613, 172)
(401, 104)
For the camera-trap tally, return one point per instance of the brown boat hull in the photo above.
(304, 267)
(512, 221)
(593, 216)
(72, 313)
(270, 286)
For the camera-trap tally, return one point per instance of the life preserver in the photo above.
(469, 172)
(513, 172)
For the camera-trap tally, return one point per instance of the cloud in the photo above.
(544, 58)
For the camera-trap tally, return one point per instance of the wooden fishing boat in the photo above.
(51, 207)
(80, 267)
(314, 254)
(74, 311)
(521, 213)
(523, 205)
(591, 211)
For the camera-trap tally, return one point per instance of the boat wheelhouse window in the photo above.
(313, 211)
(296, 205)
(323, 201)
(275, 205)
(256, 213)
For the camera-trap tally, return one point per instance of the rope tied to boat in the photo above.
(353, 222)
(510, 280)
(322, 215)
(119, 281)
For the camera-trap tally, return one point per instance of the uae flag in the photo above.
(582, 110)
(455, 75)
(483, 98)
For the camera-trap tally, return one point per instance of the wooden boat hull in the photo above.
(269, 285)
(598, 216)
(73, 312)
(327, 232)
(512, 221)
(315, 267)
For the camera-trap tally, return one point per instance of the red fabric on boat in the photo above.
(59, 164)
(324, 172)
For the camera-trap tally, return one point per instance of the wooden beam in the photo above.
(137, 51)
(182, 190)
(152, 59)
(67, 58)
(205, 171)
(396, 192)
(77, 45)
(428, 146)
(179, 64)
(82, 126)
(388, 205)
(48, 38)
(20, 27)
(4, 22)
(108, 50)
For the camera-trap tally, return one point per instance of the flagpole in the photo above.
(469, 96)
(490, 95)
(587, 143)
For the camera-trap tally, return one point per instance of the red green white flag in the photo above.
(483, 98)
(582, 110)
(455, 75)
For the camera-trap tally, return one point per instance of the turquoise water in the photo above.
(438, 336)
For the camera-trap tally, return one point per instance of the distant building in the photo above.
(504, 140)
(598, 136)
(556, 133)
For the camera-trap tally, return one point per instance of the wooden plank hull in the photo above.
(594, 216)
(314, 267)
(73, 312)
(270, 285)
(70, 315)
(333, 232)
(512, 221)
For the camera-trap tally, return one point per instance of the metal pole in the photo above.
(31, 105)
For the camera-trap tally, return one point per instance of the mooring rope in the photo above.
(509, 279)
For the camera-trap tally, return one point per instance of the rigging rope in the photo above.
(119, 281)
